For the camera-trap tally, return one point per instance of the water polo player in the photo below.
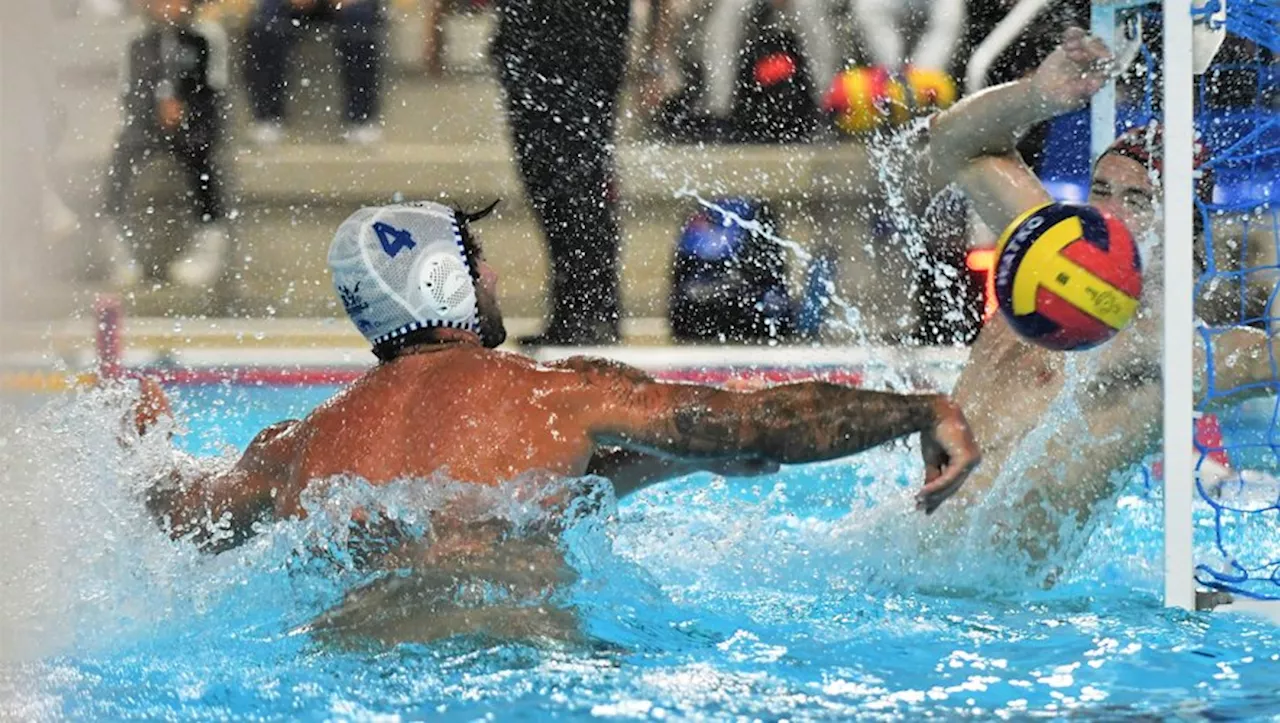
(442, 404)
(1051, 456)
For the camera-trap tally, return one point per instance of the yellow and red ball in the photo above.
(1067, 277)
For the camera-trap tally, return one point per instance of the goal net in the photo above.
(1222, 241)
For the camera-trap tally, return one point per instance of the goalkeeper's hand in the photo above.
(1073, 72)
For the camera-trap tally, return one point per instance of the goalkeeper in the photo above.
(1052, 459)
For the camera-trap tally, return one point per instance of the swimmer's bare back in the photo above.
(476, 415)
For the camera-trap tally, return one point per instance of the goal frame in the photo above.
(1177, 362)
(1181, 467)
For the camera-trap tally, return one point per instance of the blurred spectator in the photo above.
(921, 33)
(724, 45)
(561, 64)
(433, 37)
(656, 62)
(59, 219)
(273, 30)
(729, 276)
(175, 72)
(773, 93)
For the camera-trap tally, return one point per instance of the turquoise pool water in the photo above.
(770, 598)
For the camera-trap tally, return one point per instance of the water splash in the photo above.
(77, 562)
(694, 588)
(852, 321)
(907, 221)
(86, 569)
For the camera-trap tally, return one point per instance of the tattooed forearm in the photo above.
(799, 423)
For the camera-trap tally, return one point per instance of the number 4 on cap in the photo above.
(394, 240)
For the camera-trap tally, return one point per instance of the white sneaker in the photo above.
(266, 134)
(205, 257)
(363, 134)
(125, 271)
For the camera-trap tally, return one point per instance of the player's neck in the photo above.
(444, 339)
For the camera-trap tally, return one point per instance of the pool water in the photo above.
(768, 598)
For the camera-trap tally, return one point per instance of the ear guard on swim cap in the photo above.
(402, 268)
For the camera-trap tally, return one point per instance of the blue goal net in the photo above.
(1236, 106)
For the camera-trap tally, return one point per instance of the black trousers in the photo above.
(561, 63)
(360, 30)
(195, 152)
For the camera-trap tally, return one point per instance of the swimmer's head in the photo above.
(406, 272)
(1126, 178)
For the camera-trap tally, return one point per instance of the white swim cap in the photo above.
(401, 268)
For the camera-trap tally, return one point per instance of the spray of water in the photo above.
(29, 295)
(974, 558)
(894, 159)
(97, 572)
(852, 317)
(71, 512)
(907, 222)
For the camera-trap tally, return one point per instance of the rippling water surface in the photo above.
(771, 598)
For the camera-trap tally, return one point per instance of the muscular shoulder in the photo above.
(277, 433)
(274, 447)
(604, 383)
(598, 369)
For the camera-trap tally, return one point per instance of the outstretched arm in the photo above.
(989, 123)
(792, 423)
(631, 470)
(1246, 364)
(215, 510)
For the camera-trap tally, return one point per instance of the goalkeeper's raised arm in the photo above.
(973, 141)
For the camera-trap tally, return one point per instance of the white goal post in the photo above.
(1182, 58)
(1179, 314)
(1179, 274)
